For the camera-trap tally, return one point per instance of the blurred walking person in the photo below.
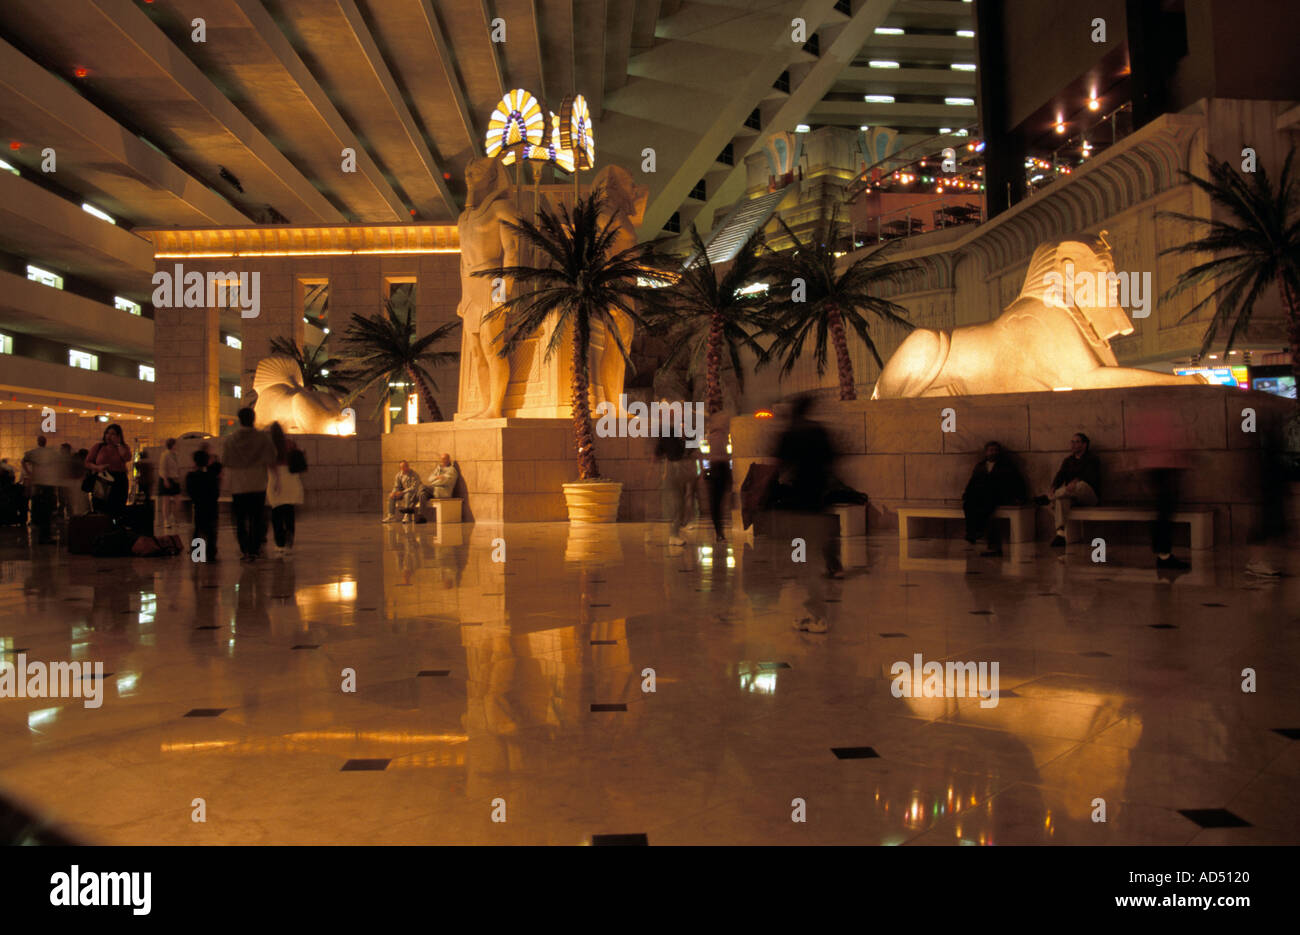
(169, 484)
(284, 491)
(677, 480)
(246, 455)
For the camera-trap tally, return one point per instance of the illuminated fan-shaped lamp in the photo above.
(517, 121)
(575, 131)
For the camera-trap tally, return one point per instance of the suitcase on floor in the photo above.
(85, 529)
(138, 517)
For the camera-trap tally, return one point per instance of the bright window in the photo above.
(146, 373)
(126, 305)
(44, 277)
(6, 344)
(83, 360)
(232, 341)
(91, 209)
(239, 392)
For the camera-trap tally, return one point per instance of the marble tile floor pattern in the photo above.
(522, 682)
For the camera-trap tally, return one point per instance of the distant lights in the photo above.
(15, 145)
(959, 101)
(1060, 125)
(882, 63)
(80, 72)
(888, 31)
(1093, 103)
(966, 33)
(963, 66)
(878, 98)
(944, 131)
(802, 128)
(763, 414)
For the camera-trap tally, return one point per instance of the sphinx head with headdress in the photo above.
(1058, 272)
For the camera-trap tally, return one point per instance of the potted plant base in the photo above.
(593, 501)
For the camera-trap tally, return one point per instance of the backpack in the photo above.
(297, 461)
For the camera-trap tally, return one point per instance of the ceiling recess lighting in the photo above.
(878, 98)
(882, 63)
(944, 131)
(959, 101)
(1060, 126)
(8, 168)
(91, 209)
(966, 33)
(888, 31)
(1093, 103)
(802, 128)
(963, 66)
(864, 128)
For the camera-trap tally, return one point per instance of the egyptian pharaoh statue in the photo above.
(486, 242)
(1048, 338)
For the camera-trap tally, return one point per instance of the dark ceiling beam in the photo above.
(448, 62)
(497, 64)
(375, 59)
(289, 60)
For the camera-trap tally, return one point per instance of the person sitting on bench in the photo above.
(443, 479)
(1077, 483)
(994, 482)
(404, 495)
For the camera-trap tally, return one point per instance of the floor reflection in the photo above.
(598, 679)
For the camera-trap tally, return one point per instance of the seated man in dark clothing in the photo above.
(1077, 482)
(994, 482)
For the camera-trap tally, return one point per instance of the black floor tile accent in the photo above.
(206, 712)
(604, 642)
(1290, 733)
(376, 765)
(892, 636)
(981, 613)
(1162, 626)
(1096, 654)
(834, 600)
(1214, 605)
(909, 585)
(774, 665)
(619, 840)
(307, 646)
(1214, 818)
(597, 605)
(433, 672)
(597, 708)
(208, 627)
(855, 753)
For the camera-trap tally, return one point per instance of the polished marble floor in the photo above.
(516, 690)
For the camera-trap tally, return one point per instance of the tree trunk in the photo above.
(713, 366)
(423, 388)
(583, 436)
(848, 388)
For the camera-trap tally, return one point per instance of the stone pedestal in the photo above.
(512, 470)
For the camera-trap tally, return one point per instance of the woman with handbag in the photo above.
(108, 461)
(284, 487)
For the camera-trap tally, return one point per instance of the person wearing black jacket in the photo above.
(994, 482)
(203, 486)
(1077, 483)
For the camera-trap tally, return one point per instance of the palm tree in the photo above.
(828, 301)
(383, 349)
(581, 281)
(712, 316)
(317, 370)
(1256, 243)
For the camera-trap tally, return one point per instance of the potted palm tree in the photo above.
(827, 302)
(317, 369)
(383, 349)
(577, 283)
(712, 318)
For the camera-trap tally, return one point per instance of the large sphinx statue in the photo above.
(1048, 338)
(485, 242)
(625, 204)
(282, 398)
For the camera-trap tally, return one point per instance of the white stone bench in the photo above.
(1021, 517)
(445, 509)
(1200, 521)
(853, 518)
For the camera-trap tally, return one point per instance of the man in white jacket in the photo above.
(246, 454)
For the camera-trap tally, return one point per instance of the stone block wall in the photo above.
(895, 451)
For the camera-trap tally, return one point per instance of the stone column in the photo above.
(280, 316)
(186, 372)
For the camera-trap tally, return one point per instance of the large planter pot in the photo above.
(593, 501)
